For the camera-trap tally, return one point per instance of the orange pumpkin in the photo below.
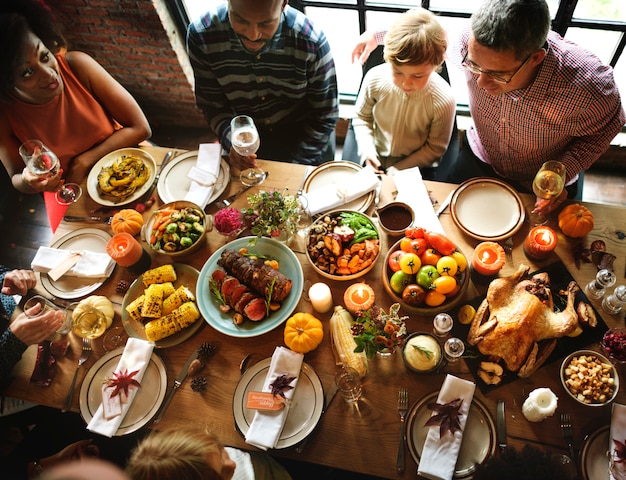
(127, 220)
(575, 220)
(303, 332)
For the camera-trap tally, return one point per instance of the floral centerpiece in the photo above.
(376, 331)
(272, 214)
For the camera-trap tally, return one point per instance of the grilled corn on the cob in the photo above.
(176, 299)
(162, 274)
(134, 308)
(153, 302)
(181, 318)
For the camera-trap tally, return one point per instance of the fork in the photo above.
(508, 248)
(83, 358)
(568, 436)
(403, 408)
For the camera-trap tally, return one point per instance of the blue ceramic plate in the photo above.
(223, 322)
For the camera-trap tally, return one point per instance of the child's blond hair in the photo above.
(416, 38)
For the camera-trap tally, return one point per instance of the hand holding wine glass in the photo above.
(548, 186)
(245, 141)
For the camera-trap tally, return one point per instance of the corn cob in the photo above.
(162, 274)
(153, 302)
(168, 289)
(343, 341)
(161, 328)
(176, 299)
(185, 315)
(134, 308)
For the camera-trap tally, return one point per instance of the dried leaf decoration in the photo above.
(122, 382)
(446, 416)
(620, 451)
(281, 384)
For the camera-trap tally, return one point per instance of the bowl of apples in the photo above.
(425, 272)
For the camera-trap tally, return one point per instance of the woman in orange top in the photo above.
(63, 98)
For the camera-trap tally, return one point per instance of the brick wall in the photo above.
(138, 43)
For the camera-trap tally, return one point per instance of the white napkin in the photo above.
(136, 356)
(413, 192)
(439, 455)
(335, 195)
(618, 432)
(204, 174)
(266, 426)
(90, 265)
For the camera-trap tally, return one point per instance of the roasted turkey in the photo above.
(516, 321)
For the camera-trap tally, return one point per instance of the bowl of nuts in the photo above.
(589, 378)
(343, 245)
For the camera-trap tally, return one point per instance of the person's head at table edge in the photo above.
(507, 43)
(29, 42)
(255, 21)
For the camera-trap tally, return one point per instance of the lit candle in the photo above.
(358, 297)
(540, 242)
(489, 258)
(321, 297)
(128, 252)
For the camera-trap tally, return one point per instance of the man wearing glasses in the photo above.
(533, 97)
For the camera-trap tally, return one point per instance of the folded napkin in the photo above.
(204, 174)
(266, 426)
(439, 455)
(90, 264)
(335, 195)
(136, 356)
(413, 192)
(618, 432)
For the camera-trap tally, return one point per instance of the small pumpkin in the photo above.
(303, 332)
(127, 220)
(99, 302)
(575, 220)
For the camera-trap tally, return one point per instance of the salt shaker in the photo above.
(614, 303)
(604, 279)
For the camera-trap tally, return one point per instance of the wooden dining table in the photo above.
(363, 440)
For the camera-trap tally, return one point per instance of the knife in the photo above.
(501, 425)
(445, 204)
(72, 218)
(177, 383)
(328, 398)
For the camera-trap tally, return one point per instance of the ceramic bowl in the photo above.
(175, 249)
(418, 360)
(327, 264)
(395, 217)
(568, 369)
(614, 344)
(451, 301)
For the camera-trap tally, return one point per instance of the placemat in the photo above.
(559, 279)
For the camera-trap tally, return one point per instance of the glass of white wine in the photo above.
(86, 321)
(547, 185)
(244, 138)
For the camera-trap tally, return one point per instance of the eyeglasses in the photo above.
(496, 77)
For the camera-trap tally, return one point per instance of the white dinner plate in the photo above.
(594, 455)
(185, 275)
(487, 209)
(306, 409)
(479, 436)
(174, 183)
(107, 160)
(338, 172)
(89, 239)
(147, 400)
(288, 265)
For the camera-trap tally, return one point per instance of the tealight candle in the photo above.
(540, 404)
(358, 297)
(489, 258)
(540, 242)
(321, 297)
(128, 252)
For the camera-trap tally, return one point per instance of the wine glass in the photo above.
(87, 322)
(68, 193)
(547, 185)
(244, 138)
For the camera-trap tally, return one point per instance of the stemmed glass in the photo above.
(88, 323)
(245, 141)
(547, 184)
(43, 162)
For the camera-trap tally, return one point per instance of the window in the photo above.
(589, 23)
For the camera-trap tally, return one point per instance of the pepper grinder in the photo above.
(604, 279)
(614, 303)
